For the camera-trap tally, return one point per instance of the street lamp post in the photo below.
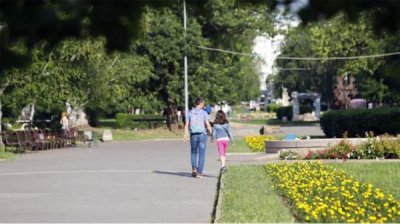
(185, 62)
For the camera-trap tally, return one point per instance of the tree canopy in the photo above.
(340, 37)
(89, 73)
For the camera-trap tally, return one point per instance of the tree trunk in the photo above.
(1, 115)
(1, 108)
(168, 117)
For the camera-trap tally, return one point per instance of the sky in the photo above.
(267, 48)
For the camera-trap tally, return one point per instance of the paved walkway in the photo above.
(140, 181)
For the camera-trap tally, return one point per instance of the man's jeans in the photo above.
(198, 144)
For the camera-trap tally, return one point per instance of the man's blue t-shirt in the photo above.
(197, 121)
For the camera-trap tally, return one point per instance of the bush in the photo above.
(272, 108)
(385, 147)
(356, 122)
(289, 155)
(342, 150)
(257, 143)
(288, 111)
(284, 112)
(124, 120)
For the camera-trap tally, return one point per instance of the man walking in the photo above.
(196, 127)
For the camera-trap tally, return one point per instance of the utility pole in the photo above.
(185, 62)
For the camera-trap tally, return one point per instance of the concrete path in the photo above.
(140, 181)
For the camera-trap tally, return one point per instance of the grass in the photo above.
(129, 135)
(6, 155)
(247, 196)
(385, 175)
(240, 147)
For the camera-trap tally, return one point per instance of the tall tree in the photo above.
(233, 25)
(336, 37)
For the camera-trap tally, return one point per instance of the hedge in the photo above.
(124, 120)
(272, 107)
(288, 111)
(356, 122)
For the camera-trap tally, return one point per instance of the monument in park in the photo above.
(297, 97)
(345, 90)
(285, 97)
(76, 118)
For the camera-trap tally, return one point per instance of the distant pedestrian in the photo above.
(208, 109)
(222, 133)
(196, 127)
(64, 123)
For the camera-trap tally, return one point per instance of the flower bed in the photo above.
(257, 143)
(379, 147)
(320, 193)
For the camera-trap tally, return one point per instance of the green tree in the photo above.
(336, 37)
(164, 44)
(233, 25)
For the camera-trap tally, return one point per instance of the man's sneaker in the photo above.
(194, 173)
(223, 169)
(200, 175)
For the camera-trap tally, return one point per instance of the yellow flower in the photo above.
(372, 218)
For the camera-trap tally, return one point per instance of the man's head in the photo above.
(199, 103)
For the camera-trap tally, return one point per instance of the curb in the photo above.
(218, 200)
(245, 153)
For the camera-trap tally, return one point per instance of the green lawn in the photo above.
(129, 135)
(143, 134)
(6, 155)
(382, 175)
(247, 196)
(240, 146)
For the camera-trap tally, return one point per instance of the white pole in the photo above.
(185, 62)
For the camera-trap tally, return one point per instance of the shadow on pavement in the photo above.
(182, 174)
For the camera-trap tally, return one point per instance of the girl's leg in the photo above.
(223, 160)
(224, 157)
(222, 151)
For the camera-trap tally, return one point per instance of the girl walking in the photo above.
(222, 133)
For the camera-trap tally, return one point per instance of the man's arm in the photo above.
(208, 125)
(186, 131)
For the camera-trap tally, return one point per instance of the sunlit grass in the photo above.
(248, 196)
(384, 175)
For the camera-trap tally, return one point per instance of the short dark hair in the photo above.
(220, 118)
(199, 101)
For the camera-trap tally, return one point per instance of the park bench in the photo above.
(45, 139)
(11, 139)
(26, 139)
(40, 139)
